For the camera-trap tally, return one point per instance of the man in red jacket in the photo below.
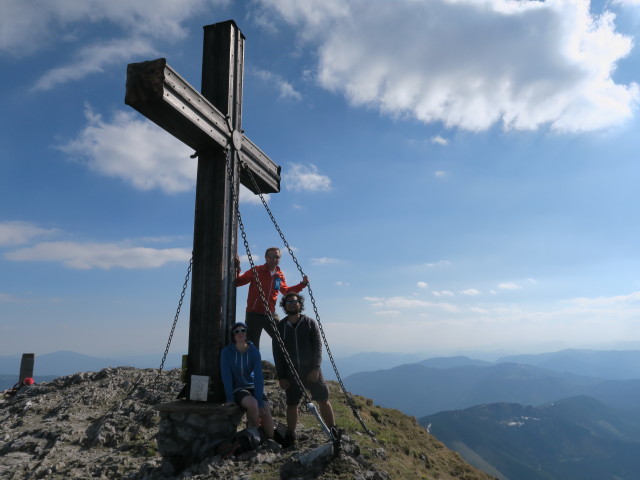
(272, 281)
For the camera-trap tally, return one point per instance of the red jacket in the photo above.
(271, 285)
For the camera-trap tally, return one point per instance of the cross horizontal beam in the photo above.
(157, 91)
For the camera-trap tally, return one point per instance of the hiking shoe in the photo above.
(336, 433)
(290, 439)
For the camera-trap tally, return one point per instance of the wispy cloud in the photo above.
(398, 302)
(94, 59)
(471, 292)
(439, 263)
(18, 233)
(28, 26)
(438, 140)
(632, 298)
(628, 3)
(306, 178)
(422, 284)
(326, 261)
(285, 88)
(442, 293)
(509, 286)
(85, 256)
(523, 65)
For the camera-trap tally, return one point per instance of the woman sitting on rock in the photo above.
(241, 371)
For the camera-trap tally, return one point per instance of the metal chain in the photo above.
(175, 321)
(263, 297)
(348, 398)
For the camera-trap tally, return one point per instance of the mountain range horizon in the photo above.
(65, 362)
(499, 402)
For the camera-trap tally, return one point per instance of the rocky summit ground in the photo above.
(102, 425)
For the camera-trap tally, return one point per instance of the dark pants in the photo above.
(256, 322)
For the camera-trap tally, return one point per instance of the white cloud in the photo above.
(439, 263)
(18, 233)
(306, 178)
(471, 64)
(248, 197)
(325, 261)
(340, 283)
(94, 59)
(285, 88)
(407, 303)
(470, 292)
(84, 256)
(440, 140)
(509, 286)
(314, 14)
(440, 173)
(618, 300)
(135, 150)
(442, 293)
(630, 3)
(492, 327)
(422, 284)
(28, 26)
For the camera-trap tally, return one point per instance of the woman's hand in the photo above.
(313, 376)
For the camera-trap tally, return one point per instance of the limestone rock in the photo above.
(103, 425)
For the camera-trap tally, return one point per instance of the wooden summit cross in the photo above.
(210, 123)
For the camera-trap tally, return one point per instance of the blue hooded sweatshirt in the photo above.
(242, 370)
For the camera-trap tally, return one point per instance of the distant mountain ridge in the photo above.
(611, 364)
(67, 363)
(418, 390)
(449, 362)
(577, 438)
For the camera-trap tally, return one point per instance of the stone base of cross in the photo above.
(210, 122)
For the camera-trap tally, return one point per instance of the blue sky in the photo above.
(458, 175)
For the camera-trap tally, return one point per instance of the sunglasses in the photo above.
(273, 256)
(239, 330)
(289, 302)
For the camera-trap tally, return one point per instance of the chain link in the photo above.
(348, 398)
(175, 321)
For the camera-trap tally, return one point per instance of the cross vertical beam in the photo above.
(213, 292)
(210, 122)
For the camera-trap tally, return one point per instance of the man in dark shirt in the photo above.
(302, 341)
